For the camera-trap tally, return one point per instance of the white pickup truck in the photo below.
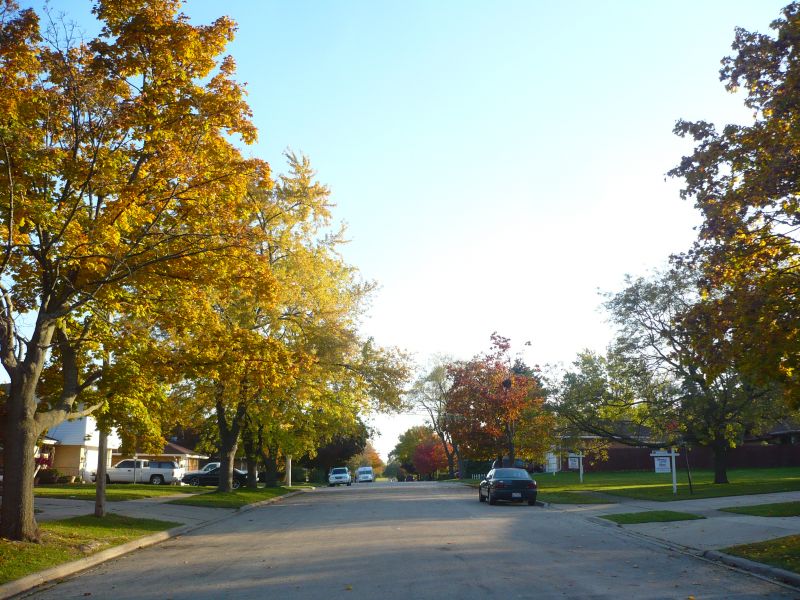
(157, 472)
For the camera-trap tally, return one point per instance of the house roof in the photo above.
(81, 432)
(172, 449)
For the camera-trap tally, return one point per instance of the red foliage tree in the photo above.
(429, 457)
(489, 398)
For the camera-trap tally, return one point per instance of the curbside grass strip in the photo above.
(12, 588)
(752, 566)
(757, 569)
(49, 576)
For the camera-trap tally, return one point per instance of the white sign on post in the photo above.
(665, 463)
(576, 462)
(552, 463)
(662, 464)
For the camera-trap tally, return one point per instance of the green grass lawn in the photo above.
(783, 553)
(651, 516)
(647, 485)
(71, 539)
(115, 492)
(780, 509)
(236, 499)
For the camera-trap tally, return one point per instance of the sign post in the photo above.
(576, 462)
(665, 463)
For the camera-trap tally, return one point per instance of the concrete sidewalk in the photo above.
(718, 529)
(52, 509)
(706, 537)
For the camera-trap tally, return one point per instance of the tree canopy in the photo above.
(656, 386)
(745, 181)
(133, 231)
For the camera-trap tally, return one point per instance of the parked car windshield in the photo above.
(511, 474)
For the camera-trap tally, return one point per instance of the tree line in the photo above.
(150, 273)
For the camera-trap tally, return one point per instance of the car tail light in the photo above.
(532, 485)
(499, 484)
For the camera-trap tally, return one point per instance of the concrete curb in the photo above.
(774, 574)
(787, 577)
(18, 586)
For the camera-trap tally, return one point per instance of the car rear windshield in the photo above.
(339, 471)
(365, 470)
(511, 474)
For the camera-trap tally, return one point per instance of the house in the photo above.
(186, 458)
(76, 447)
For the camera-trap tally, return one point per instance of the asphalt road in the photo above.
(408, 541)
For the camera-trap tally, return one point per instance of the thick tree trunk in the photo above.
(100, 477)
(25, 424)
(252, 472)
(270, 468)
(17, 521)
(228, 437)
(447, 452)
(227, 456)
(251, 454)
(720, 461)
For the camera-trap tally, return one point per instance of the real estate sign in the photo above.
(662, 464)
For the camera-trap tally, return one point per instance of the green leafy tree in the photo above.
(429, 393)
(407, 443)
(654, 387)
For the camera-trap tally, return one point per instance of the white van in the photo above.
(365, 474)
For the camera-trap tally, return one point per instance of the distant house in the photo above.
(186, 458)
(76, 447)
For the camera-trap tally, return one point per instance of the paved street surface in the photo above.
(407, 541)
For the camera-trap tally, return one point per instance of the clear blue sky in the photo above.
(496, 162)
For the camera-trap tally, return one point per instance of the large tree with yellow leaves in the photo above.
(116, 172)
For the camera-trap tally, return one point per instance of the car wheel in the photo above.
(480, 496)
(532, 502)
(235, 485)
(492, 499)
(348, 484)
(157, 480)
(194, 481)
(108, 479)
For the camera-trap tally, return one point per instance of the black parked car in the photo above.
(513, 485)
(212, 478)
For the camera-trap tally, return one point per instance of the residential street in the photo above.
(409, 541)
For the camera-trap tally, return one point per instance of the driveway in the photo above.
(407, 541)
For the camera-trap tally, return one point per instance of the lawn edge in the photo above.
(53, 574)
(765, 570)
(754, 568)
